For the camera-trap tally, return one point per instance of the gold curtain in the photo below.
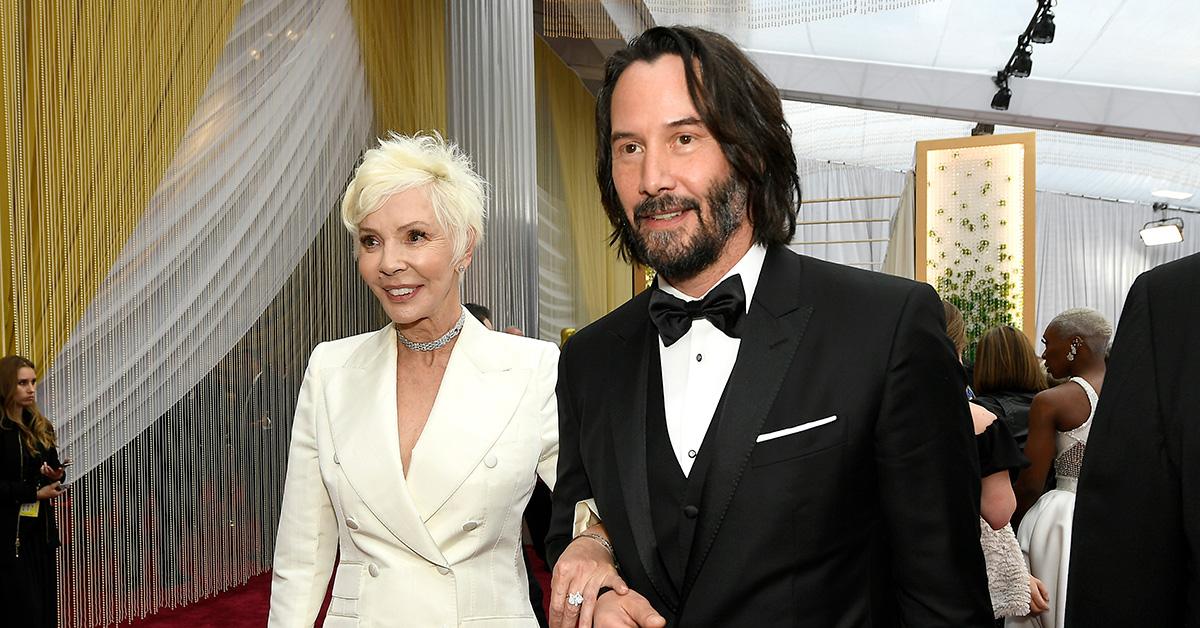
(96, 97)
(404, 53)
(604, 281)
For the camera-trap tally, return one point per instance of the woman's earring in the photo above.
(461, 269)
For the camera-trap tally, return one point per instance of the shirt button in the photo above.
(442, 570)
(351, 523)
(470, 525)
(699, 357)
(490, 461)
(335, 459)
(691, 453)
(690, 511)
(373, 569)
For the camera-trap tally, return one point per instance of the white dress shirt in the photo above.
(696, 368)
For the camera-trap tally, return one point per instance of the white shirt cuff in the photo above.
(586, 516)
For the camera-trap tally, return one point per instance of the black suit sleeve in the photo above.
(929, 475)
(572, 484)
(1128, 553)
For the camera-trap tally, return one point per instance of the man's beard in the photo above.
(671, 253)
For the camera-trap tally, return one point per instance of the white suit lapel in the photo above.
(362, 416)
(479, 394)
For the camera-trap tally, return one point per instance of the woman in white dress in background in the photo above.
(1059, 421)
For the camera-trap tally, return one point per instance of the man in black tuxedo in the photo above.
(769, 439)
(1135, 546)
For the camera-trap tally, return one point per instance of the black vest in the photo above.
(675, 499)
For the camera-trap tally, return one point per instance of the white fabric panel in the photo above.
(247, 191)
(1089, 253)
(835, 242)
(489, 81)
(900, 256)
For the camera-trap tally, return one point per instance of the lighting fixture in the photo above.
(1165, 231)
(1040, 30)
(1171, 194)
(1003, 95)
(1022, 63)
(1043, 31)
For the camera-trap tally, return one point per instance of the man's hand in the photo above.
(630, 610)
(584, 568)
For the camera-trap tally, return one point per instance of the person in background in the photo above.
(1007, 376)
(481, 314)
(31, 477)
(1059, 421)
(1135, 553)
(1013, 590)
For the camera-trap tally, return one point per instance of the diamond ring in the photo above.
(575, 599)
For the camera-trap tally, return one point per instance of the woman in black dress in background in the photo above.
(30, 477)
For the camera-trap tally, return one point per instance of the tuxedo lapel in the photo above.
(478, 397)
(628, 376)
(361, 404)
(771, 333)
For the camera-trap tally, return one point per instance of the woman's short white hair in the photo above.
(1086, 323)
(405, 162)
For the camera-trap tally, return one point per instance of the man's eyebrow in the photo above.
(688, 121)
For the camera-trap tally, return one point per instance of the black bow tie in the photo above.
(723, 306)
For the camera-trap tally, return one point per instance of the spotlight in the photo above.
(1165, 231)
(1022, 63)
(983, 128)
(1043, 31)
(1003, 95)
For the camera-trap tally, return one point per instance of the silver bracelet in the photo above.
(602, 541)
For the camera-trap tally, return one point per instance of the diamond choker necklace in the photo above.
(434, 345)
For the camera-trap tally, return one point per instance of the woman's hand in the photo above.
(52, 473)
(1039, 598)
(583, 569)
(50, 491)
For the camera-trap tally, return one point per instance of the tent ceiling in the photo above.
(1123, 68)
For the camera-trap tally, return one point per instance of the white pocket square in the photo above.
(795, 430)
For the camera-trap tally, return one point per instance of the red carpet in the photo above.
(247, 605)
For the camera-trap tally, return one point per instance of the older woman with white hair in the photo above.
(1059, 421)
(415, 448)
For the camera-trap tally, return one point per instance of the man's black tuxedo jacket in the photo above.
(1135, 544)
(869, 520)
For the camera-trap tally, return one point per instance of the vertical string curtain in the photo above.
(172, 170)
(489, 78)
(577, 262)
(96, 96)
(403, 52)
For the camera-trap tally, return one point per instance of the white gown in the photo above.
(1045, 532)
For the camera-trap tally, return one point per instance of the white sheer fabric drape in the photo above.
(852, 232)
(1089, 253)
(247, 191)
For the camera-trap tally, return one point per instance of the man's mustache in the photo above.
(664, 204)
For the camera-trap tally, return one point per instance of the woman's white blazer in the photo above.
(441, 547)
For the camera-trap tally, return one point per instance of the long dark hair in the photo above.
(738, 105)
